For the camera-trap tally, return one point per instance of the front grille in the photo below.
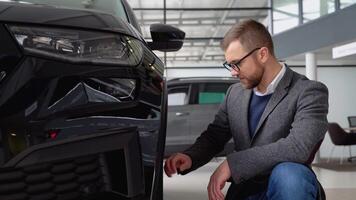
(64, 180)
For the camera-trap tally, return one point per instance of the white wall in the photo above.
(341, 82)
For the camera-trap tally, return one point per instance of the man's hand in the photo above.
(218, 180)
(176, 161)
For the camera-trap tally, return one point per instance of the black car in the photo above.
(82, 101)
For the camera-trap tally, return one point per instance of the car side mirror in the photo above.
(166, 38)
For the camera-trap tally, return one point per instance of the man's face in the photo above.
(250, 71)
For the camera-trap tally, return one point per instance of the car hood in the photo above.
(38, 14)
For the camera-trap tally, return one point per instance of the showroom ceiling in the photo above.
(204, 22)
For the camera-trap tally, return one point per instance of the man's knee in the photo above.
(292, 178)
(289, 174)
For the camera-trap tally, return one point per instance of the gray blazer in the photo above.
(291, 128)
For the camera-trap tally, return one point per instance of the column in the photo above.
(310, 66)
(311, 73)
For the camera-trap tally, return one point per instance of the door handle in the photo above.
(179, 114)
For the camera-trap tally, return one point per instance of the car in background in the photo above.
(192, 105)
(82, 101)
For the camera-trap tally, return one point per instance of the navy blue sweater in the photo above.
(256, 108)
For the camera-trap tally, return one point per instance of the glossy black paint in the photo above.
(166, 37)
(55, 16)
(48, 104)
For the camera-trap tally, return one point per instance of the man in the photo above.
(276, 117)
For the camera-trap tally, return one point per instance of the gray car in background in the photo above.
(192, 105)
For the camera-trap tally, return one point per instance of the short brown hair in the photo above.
(251, 34)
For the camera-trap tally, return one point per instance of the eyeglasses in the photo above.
(235, 65)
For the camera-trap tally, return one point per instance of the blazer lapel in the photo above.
(280, 92)
(244, 105)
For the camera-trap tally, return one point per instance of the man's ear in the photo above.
(264, 54)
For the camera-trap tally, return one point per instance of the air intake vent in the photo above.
(70, 180)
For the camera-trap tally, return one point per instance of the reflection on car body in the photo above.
(82, 101)
(192, 105)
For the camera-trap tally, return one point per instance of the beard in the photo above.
(253, 79)
(250, 83)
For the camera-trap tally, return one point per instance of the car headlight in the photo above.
(78, 45)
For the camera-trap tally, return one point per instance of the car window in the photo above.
(212, 93)
(178, 96)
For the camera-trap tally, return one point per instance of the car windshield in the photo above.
(113, 7)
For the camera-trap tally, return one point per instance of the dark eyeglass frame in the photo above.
(235, 65)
